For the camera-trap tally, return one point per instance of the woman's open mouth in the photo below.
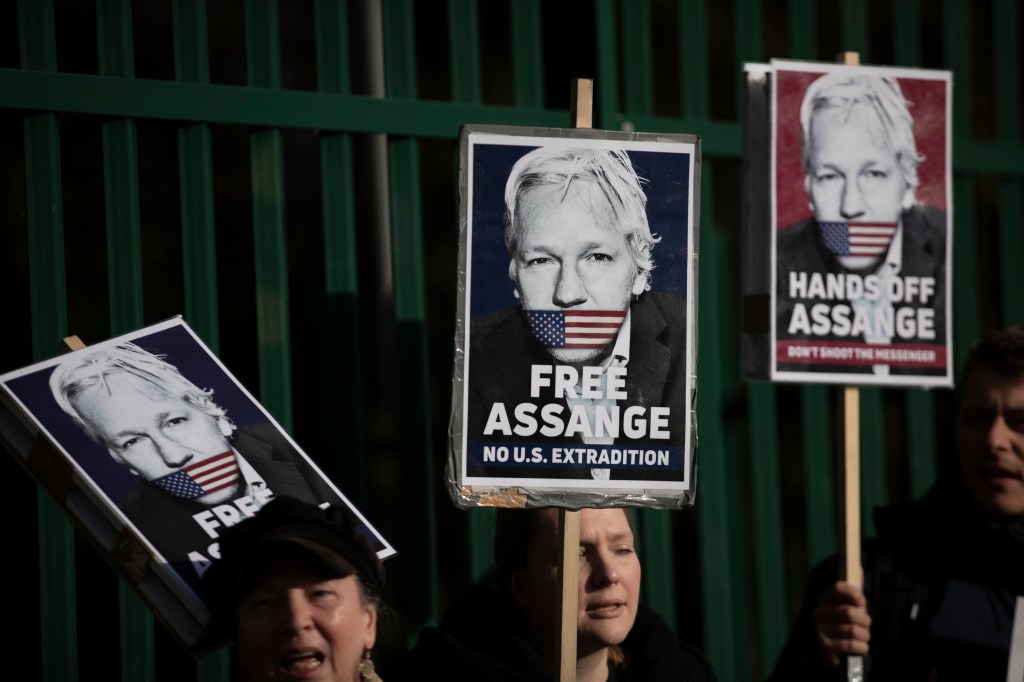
(606, 609)
(302, 661)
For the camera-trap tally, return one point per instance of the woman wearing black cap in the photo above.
(299, 587)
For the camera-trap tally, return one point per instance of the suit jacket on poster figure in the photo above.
(503, 348)
(167, 520)
(800, 248)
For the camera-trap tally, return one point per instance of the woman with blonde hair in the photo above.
(506, 629)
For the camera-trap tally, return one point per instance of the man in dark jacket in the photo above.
(945, 576)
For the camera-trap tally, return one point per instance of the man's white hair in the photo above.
(613, 173)
(842, 90)
(80, 372)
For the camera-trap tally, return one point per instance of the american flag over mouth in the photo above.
(203, 477)
(583, 329)
(857, 238)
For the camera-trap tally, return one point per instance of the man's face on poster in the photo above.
(151, 431)
(573, 256)
(853, 173)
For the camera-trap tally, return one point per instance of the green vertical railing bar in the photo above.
(120, 174)
(198, 231)
(734, 446)
(873, 480)
(262, 44)
(44, 203)
(195, 175)
(693, 47)
(819, 484)
(466, 87)
(191, 54)
(636, 57)
(47, 292)
(920, 411)
(481, 559)
(956, 26)
(414, 408)
(606, 85)
(266, 149)
(966, 317)
(527, 54)
(124, 276)
(271, 273)
(819, 448)
(854, 15)
(464, 50)
(138, 660)
(693, 69)
(48, 296)
(410, 310)
(659, 589)
(198, 246)
(921, 441)
(37, 41)
(659, 573)
(114, 38)
(198, 236)
(332, 62)
(528, 78)
(1006, 30)
(749, 43)
(803, 30)
(481, 534)
(768, 542)
(713, 498)
(399, 48)
(124, 240)
(347, 466)
(1011, 248)
(906, 45)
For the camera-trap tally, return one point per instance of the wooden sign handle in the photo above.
(850, 487)
(568, 573)
(849, 473)
(581, 115)
(581, 103)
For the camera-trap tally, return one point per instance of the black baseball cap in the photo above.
(329, 534)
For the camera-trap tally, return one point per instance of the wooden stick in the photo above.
(568, 573)
(581, 103)
(850, 479)
(849, 482)
(69, 343)
(581, 113)
(850, 491)
(850, 470)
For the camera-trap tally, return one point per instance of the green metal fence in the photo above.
(283, 174)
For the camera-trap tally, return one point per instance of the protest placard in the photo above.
(860, 225)
(153, 448)
(576, 322)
